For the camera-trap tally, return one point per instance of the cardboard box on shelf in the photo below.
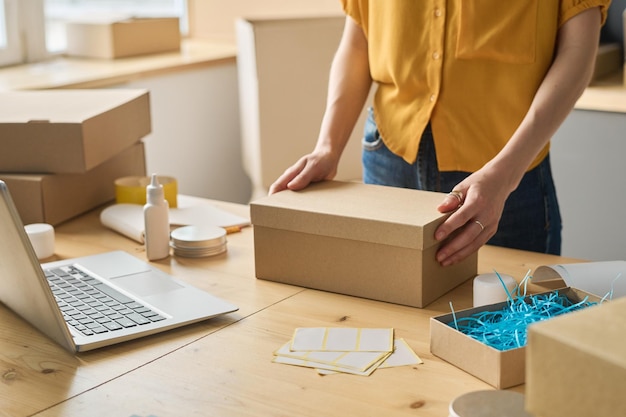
(69, 131)
(351, 238)
(54, 198)
(121, 38)
(576, 364)
(609, 60)
(499, 368)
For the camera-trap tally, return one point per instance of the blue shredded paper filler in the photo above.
(506, 328)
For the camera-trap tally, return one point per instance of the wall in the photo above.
(195, 132)
(588, 166)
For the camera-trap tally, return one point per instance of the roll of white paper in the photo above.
(41, 236)
(489, 290)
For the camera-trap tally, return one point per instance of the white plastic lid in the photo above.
(198, 241)
(494, 403)
(41, 236)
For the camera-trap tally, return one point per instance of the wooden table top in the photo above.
(223, 367)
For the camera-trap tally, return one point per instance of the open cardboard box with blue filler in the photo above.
(501, 368)
(363, 240)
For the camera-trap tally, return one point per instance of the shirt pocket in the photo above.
(499, 30)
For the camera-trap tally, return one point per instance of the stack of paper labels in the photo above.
(358, 351)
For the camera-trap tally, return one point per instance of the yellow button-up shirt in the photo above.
(470, 67)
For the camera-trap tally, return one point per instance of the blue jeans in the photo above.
(531, 219)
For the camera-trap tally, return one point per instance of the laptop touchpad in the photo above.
(146, 283)
(114, 264)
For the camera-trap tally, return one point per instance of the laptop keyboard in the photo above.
(93, 307)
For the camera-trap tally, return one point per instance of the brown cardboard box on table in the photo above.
(351, 238)
(54, 198)
(500, 369)
(106, 38)
(576, 364)
(69, 131)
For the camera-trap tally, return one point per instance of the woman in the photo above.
(468, 96)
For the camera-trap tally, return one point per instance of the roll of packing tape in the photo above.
(132, 190)
(489, 290)
(41, 237)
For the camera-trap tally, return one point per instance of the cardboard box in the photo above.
(123, 38)
(351, 238)
(577, 363)
(500, 369)
(69, 131)
(609, 60)
(54, 198)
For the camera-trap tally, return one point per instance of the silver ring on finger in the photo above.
(458, 195)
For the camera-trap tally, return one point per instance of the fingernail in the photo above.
(440, 235)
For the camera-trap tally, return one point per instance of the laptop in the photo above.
(94, 301)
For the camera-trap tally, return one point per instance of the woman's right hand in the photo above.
(314, 167)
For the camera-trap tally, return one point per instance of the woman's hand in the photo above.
(483, 193)
(314, 167)
(477, 204)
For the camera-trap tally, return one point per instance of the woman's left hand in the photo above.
(477, 204)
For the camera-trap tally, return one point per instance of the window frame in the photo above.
(12, 52)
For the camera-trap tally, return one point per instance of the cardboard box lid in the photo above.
(357, 211)
(61, 106)
(69, 131)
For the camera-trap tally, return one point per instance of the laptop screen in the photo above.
(23, 286)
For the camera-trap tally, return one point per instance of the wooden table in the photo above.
(222, 367)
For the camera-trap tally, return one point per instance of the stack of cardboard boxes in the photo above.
(61, 150)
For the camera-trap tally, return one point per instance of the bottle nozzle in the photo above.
(154, 191)
(154, 181)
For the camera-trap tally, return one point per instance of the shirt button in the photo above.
(435, 55)
(432, 97)
(437, 12)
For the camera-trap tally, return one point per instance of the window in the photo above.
(58, 12)
(3, 26)
(31, 30)
(10, 45)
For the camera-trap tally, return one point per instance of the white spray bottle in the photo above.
(156, 219)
